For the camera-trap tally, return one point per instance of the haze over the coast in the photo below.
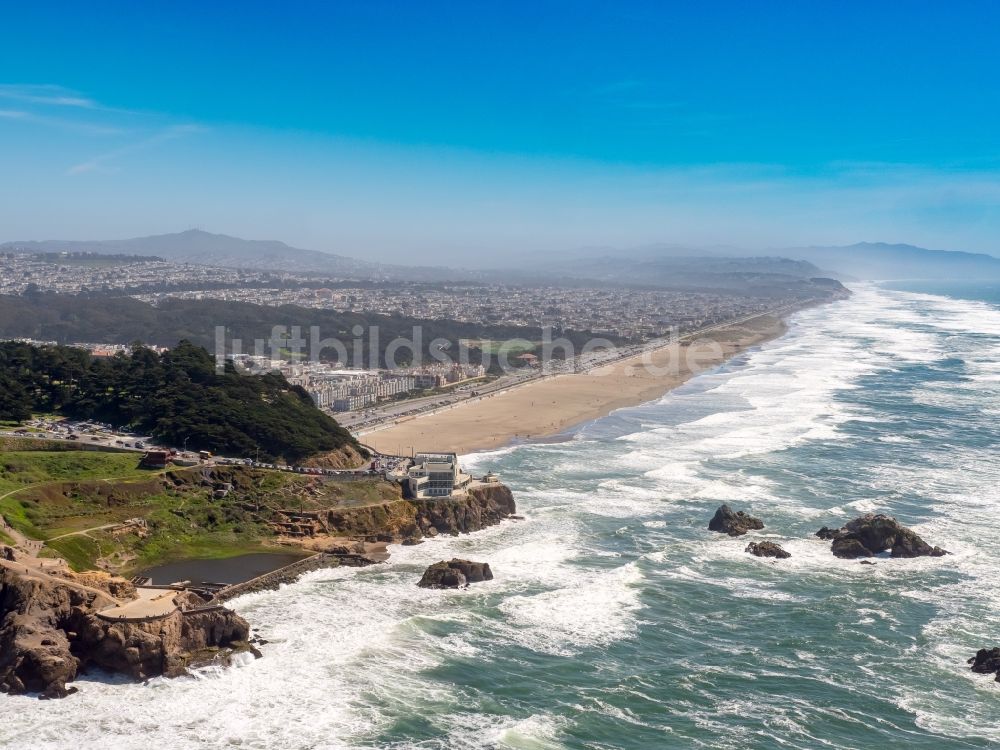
(515, 376)
(393, 136)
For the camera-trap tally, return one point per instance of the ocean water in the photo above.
(616, 620)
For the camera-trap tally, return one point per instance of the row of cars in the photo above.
(96, 433)
(373, 469)
(104, 434)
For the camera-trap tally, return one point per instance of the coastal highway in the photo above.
(382, 417)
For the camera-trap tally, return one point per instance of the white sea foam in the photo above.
(353, 651)
(593, 611)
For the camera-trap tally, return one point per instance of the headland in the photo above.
(73, 552)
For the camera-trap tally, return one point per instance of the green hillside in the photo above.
(174, 396)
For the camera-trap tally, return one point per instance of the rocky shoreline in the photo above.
(411, 520)
(52, 630)
(54, 624)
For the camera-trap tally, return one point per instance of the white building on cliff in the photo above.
(435, 475)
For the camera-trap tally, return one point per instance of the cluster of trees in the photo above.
(66, 318)
(175, 396)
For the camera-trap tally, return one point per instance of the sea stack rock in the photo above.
(734, 523)
(871, 534)
(767, 549)
(454, 574)
(986, 661)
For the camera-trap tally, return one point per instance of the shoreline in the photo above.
(543, 410)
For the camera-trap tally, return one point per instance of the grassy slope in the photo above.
(21, 471)
(71, 491)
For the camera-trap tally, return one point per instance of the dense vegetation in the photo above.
(175, 396)
(67, 318)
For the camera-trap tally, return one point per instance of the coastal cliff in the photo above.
(50, 631)
(482, 506)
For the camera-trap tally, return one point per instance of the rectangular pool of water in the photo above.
(220, 570)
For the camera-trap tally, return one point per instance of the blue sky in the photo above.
(449, 130)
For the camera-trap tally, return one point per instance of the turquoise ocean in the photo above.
(616, 620)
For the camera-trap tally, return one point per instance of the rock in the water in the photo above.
(850, 548)
(455, 573)
(767, 549)
(986, 661)
(827, 533)
(734, 523)
(871, 534)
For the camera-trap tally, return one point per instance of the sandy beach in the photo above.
(552, 405)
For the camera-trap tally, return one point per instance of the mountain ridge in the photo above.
(883, 261)
(196, 246)
(866, 260)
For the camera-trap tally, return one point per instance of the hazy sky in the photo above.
(447, 130)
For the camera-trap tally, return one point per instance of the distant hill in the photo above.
(864, 260)
(205, 248)
(666, 265)
(878, 260)
(646, 267)
(671, 270)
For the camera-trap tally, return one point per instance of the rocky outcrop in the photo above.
(482, 506)
(850, 548)
(767, 549)
(827, 533)
(454, 574)
(396, 518)
(871, 534)
(734, 523)
(986, 661)
(408, 521)
(345, 457)
(50, 631)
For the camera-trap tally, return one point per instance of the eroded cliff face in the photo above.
(345, 457)
(49, 632)
(393, 520)
(483, 505)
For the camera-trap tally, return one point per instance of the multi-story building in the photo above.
(348, 390)
(435, 475)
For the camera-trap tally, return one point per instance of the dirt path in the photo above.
(34, 546)
(83, 531)
(34, 568)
